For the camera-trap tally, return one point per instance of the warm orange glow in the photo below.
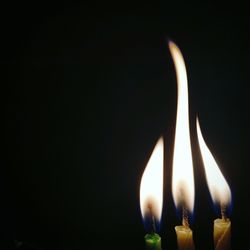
(151, 189)
(182, 179)
(217, 184)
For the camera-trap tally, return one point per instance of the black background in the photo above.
(87, 90)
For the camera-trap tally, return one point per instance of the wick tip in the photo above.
(185, 217)
(223, 212)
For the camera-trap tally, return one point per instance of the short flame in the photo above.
(151, 189)
(182, 179)
(217, 184)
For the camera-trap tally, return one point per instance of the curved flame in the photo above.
(217, 184)
(151, 189)
(182, 179)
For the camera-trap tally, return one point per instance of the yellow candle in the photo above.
(184, 233)
(184, 238)
(222, 234)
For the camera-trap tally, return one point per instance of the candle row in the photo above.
(151, 190)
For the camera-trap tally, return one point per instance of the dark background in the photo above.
(87, 90)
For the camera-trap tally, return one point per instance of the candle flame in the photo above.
(151, 189)
(182, 178)
(217, 184)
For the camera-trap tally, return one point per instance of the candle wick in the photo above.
(153, 219)
(185, 222)
(223, 212)
(153, 224)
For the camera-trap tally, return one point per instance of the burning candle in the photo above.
(182, 179)
(220, 193)
(151, 196)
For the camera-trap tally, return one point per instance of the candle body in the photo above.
(222, 234)
(153, 241)
(184, 238)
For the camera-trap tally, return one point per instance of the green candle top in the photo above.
(153, 241)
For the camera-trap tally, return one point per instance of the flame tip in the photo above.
(161, 139)
(170, 41)
(198, 125)
(172, 45)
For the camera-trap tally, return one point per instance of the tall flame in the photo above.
(182, 179)
(217, 184)
(151, 189)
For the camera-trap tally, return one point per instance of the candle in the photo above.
(151, 196)
(153, 241)
(222, 234)
(220, 193)
(184, 234)
(183, 178)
